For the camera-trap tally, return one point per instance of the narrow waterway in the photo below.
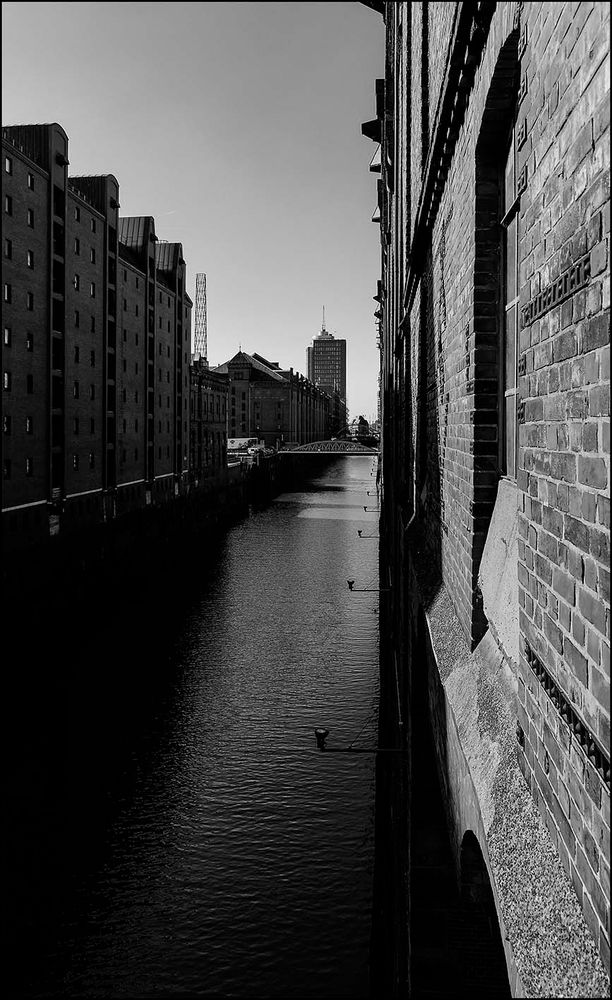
(177, 833)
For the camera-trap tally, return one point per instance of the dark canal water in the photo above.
(175, 830)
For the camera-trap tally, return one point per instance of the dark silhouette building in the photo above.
(208, 438)
(97, 348)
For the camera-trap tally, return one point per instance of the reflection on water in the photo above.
(193, 840)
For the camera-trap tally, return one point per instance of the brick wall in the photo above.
(85, 343)
(131, 375)
(564, 476)
(25, 348)
(546, 67)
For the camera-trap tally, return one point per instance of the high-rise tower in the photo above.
(326, 360)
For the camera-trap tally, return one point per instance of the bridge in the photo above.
(337, 447)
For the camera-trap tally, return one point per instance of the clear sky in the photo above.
(237, 126)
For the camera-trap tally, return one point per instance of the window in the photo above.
(136, 340)
(29, 301)
(77, 246)
(77, 213)
(92, 426)
(124, 365)
(8, 165)
(6, 424)
(92, 289)
(92, 392)
(124, 274)
(76, 355)
(8, 249)
(29, 384)
(31, 181)
(510, 299)
(136, 425)
(92, 255)
(8, 293)
(125, 305)
(92, 359)
(29, 425)
(75, 425)
(30, 258)
(93, 225)
(6, 468)
(29, 467)
(93, 324)
(29, 341)
(30, 218)
(92, 460)
(8, 205)
(168, 350)
(7, 336)
(136, 399)
(124, 396)
(76, 281)
(75, 463)
(136, 313)
(136, 368)
(75, 390)
(161, 298)
(77, 318)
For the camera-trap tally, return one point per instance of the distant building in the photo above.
(97, 331)
(272, 404)
(208, 434)
(326, 361)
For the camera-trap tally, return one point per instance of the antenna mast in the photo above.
(201, 328)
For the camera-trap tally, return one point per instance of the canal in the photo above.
(175, 831)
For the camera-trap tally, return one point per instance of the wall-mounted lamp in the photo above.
(368, 590)
(322, 734)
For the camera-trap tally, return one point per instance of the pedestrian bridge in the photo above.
(339, 447)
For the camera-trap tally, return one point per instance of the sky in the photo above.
(237, 126)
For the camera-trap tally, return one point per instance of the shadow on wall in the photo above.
(455, 941)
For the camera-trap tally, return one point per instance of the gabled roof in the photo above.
(242, 358)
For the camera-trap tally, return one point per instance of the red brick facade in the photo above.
(495, 226)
